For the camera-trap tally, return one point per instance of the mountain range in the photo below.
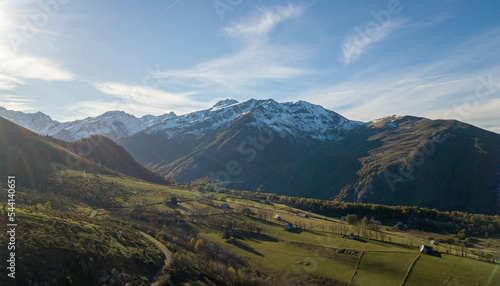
(301, 149)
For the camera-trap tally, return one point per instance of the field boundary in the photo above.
(409, 270)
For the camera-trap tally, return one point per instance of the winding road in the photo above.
(160, 246)
(164, 250)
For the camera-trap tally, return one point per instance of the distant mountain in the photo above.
(304, 150)
(100, 149)
(36, 122)
(112, 124)
(32, 158)
(301, 149)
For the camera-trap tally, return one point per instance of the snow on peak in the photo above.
(289, 119)
(297, 119)
(225, 102)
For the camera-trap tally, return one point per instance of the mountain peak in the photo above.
(115, 113)
(225, 102)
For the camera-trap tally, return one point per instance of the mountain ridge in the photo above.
(301, 149)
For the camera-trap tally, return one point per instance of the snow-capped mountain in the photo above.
(37, 122)
(296, 119)
(112, 124)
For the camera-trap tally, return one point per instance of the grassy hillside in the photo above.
(82, 228)
(405, 160)
(102, 150)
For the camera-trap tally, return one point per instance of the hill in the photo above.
(100, 149)
(402, 160)
(34, 158)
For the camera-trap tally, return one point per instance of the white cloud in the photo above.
(138, 100)
(449, 88)
(19, 67)
(8, 82)
(15, 102)
(256, 61)
(360, 40)
(262, 23)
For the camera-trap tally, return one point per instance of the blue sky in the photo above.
(363, 59)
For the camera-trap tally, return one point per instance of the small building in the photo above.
(277, 216)
(177, 212)
(224, 206)
(302, 215)
(267, 203)
(351, 236)
(424, 249)
(288, 227)
(181, 222)
(246, 211)
(243, 197)
(400, 223)
(433, 242)
(342, 217)
(377, 222)
(233, 233)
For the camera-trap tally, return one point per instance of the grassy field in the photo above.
(315, 247)
(383, 268)
(429, 270)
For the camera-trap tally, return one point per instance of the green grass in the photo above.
(464, 271)
(383, 263)
(283, 256)
(383, 268)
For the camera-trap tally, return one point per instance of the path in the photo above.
(164, 250)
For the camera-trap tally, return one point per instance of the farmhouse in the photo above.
(243, 197)
(277, 216)
(302, 215)
(224, 206)
(424, 249)
(288, 226)
(351, 236)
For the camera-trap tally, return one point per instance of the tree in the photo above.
(365, 221)
(226, 234)
(351, 219)
(199, 245)
(173, 201)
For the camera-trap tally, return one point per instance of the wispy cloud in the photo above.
(447, 88)
(15, 67)
(137, 99)
(15, 102)
(264, 21)
(256, 61)
(360, 41)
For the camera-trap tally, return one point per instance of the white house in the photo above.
(424, 249)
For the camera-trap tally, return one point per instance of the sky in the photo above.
(363, 59)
